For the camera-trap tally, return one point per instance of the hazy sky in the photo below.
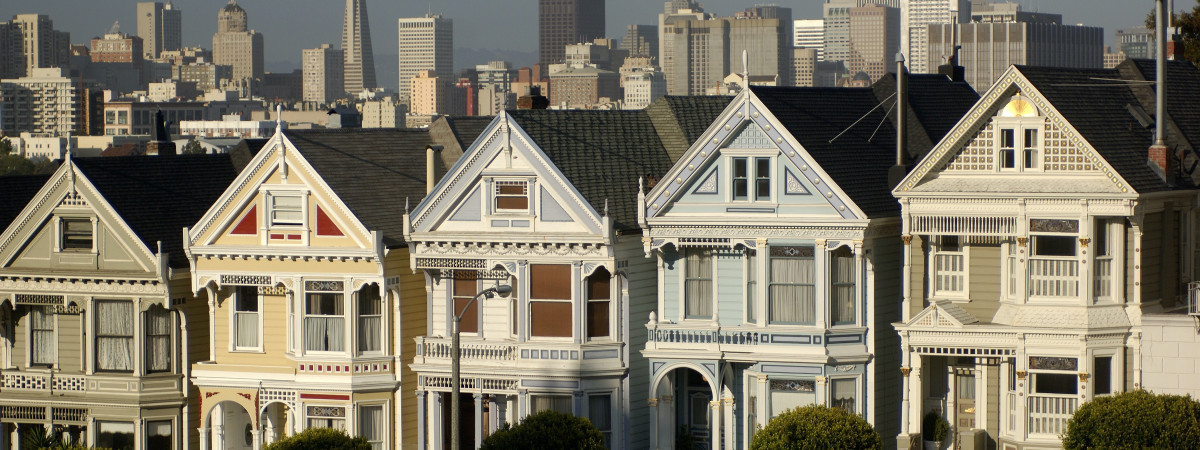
(291, 25)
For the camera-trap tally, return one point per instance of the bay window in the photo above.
(372, 425)
(751, 268)
(841, 287)
(324, 322)
(158, 339)
(792, 291)
(41, 335)
(599, 294)
(698, 283)
(949, 267)
(550, 300)
(464, 287)
(370, 319)
(114, 335)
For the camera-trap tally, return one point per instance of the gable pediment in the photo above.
(942, 314)
(1013, 141)
(747, 164)
(505, 184)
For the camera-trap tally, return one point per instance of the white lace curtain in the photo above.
(114, 335)
(158, 339)
(41, 322)
(842, 286)
(371, 425)
(559, 403)
(370, 327)
(698, 286)
(246, 329)
(793, 289)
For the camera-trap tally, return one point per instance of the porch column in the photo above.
(821, 261)
(436, 421)
(16, 437)
(652, 404)
(916, 396)
(493, 414)
(1022, 406)
(667, 416)
(764, 400)
(212, 321)
(205, 438)
(421, 424)
(478, 418)
(905, 383)
(727, 406)
(714, 424)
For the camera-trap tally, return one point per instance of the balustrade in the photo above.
(1048, 414)
(1053, 277)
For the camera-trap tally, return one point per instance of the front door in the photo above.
(964, 398)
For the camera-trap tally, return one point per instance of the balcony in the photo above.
(705, 341)
(1053, 277)
(520, 357)
(52, 383)
(1048, 414)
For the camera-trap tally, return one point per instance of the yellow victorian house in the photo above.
(98, 324)
(312, 304)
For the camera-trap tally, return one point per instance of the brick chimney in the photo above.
(1162, 161)
(535, 99)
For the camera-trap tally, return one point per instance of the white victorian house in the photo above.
(778, 248)
(544, 201)
(1038, 233)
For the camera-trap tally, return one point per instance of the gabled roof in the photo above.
(1183, 94)
(457, 133)
(157, 196)
(849, 133)
(372, 170)
(680, 120)
(15, 192)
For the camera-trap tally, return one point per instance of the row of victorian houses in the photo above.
(694, 268)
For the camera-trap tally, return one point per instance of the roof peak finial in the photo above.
(745, 69)
(278, 116)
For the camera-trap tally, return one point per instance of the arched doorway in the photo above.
(276, 422)
(684, 397)
(229, 427)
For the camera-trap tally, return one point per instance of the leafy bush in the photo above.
(1135, 419)
(321, 439)
(547, 430)
(934, 427)
(816, 427)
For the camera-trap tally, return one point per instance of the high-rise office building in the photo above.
(426, 43)
(322, 73)
(29, 41)
(874, 40)
(1136, 42)
(160, 26)
(698, 53)
(565, 22)
(641, 40)
(236, 45)
(809, 33)
(915, 18)
(356, 48)
(1034, 43)
(427, 93)
(837, 25)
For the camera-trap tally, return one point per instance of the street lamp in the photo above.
(455, 382)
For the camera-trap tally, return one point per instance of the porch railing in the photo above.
(440, 348)
(1048, 414)
(1103, 278)
(1053, 277)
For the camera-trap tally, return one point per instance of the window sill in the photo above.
(248, 350)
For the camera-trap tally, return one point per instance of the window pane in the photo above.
(598, 285)
(41, 324)
(324, 326)
(1103, 375)
(370, 310)
(114, 435)
(550, 319)
(247, 299)
(741, 175)
(559, 403)
(114, 335)
(600, 413)
(751, 285)
(158, 339)
(842, 278)
(470, 317)
(843, 394)
(698, 293)
(550, 281)
(1055, 383)
(792, 290)
(371, 425)
(464, 288)
(77, 234)
(762, 178)
(158, 435)
(512, 202)
(597, 318)
(1054, 245)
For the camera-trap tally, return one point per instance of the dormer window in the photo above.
(287, 209)
(751, 179)
(1019, 137)
(512, 196)
(77, 235)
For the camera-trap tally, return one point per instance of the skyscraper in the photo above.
(874, 40)
(810, 33)
(236, 45)
(915, 18)
(698, 53)
(322, 73)
(426, 43)
(29, 41)
(837, 25)
(160, 27)
(565, 22)
(356, 48)
(641, 40)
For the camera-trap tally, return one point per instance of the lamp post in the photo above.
(455, 381)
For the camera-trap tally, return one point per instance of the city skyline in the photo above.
(481, 25)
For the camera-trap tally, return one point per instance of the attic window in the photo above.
(77, 235)
(512, 196)
(287, 210)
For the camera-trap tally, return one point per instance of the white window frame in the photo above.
(148, 352)
(345, 420)
(358, 423)
(358, 316)
(858, 392)
(233, 317)
(304, 315)
(935, 249)
(61, 230)
(145, 435)
(53, 341)
(301, 209)
(95, 338)
(818, 277)
(1019, 127)
(587, 301)
(574, 301)
(1113, 238)
(494, 196)
(683, 281)
(452, 308)
(753, 292)
(752, 176)
(856, 290)
(1114, 373)
(612, 413)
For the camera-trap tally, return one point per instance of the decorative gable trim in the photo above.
(942, 314)
(981, 115)
(249, 223)
(743, 112)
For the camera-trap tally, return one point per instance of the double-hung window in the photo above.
(1053, 269)
(245, 318)
(158, 339)
(949, 274)
(792, 290)
(370, 320)
(843, 394)
(77, 235)
(372, 425)
(464, 288)
(114, 335)
(751, 178)
(324, 322)
(550, 300)
(841, 287)
(598, 301)
(751, 286)
(1053, 375)
(512, 196)
(41, 335)
(287, 209)
(698, 283)
(600, 413)
(1019, 131)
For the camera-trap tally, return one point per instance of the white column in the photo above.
(714, 424)
(493, 414)
(727, 407)
(916, 395)
(478, 418)
(667, 421)
(652, 404)
(212, 322)
(821, 261)
(421, 424)
(436, 420)
(205, 439)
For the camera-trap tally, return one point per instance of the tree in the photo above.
(321, 439)
(16, 165)
(1188, 23)
(547, 430)
(193, 148)
(6, 147)
(816, 426)
(1135, 419)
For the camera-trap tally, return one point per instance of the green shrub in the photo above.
(816, 427)
(1135, 419)
(320, 439)
(547, 430)
(934, 427)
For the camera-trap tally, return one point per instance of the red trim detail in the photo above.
(324, 397)
(293, 237)
(249, 223)
(276, 236)
(325, 225)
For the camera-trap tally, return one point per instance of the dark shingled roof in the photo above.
(1101, 113)
(372, 170)
(16, 191)
(604, 153)
(1183, 81)
(858, 160)
(157, 196)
